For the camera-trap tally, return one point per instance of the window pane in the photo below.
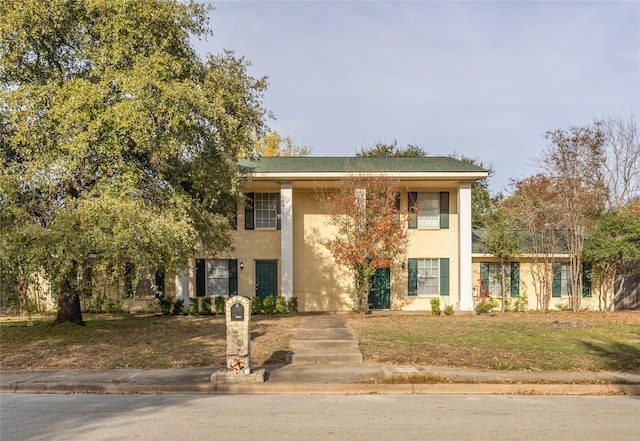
(217, 277)
(428, 276)
(266, 205)
(428, 210)
(495, 286)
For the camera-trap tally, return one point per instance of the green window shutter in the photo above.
(201, 277)
(412, 207)
(484, 274)
(556, 285)
(129, 276)
(278, 215)
(52, 291)
(248, 212)
(586, 280)
(413, 277)
(444, 276)
(233, 277)
(515, 279)
(444, 210)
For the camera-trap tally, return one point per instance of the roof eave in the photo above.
(309, 176)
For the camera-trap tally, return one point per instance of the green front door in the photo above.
(266, 278)
(380, 292)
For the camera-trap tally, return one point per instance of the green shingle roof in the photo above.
(317, 164)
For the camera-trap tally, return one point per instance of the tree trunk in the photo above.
(502, 285)
(69, 305)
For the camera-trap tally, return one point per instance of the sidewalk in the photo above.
(318, 379)
(319, 371)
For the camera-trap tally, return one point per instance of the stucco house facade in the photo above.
(278, 243)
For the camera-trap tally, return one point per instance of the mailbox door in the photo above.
(266, 278)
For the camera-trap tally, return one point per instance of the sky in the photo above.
(485, 80)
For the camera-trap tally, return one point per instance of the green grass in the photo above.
(563, 341)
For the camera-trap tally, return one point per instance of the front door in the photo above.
(266, 278)
(380, 290)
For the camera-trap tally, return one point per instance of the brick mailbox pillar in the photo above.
(238, 310)
(238, 370)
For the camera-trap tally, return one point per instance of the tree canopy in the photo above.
(274, 144)
(119, 144)
(383, 150)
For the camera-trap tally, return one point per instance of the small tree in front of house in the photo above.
(370, 228)
(502, 239)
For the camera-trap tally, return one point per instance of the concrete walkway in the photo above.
(325, 359)
(324, 339)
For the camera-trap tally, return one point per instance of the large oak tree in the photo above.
(118, 143)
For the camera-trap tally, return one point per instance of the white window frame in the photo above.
(265, 211)
(428, 276)
(428, 216)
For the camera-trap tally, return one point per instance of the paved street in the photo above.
(337, 417)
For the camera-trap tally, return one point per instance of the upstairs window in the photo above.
(431, 210)
(262, 211)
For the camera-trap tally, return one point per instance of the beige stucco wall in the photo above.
(318, 281)
(527, 287)
(429, 243)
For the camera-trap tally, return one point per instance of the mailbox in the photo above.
(237, 312)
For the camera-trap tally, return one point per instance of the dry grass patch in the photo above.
(512, 341)
(125, 341)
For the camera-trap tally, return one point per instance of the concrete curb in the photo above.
(322, 389)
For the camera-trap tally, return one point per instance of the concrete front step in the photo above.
(351, 356)
(307, 344)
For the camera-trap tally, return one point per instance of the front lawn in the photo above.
(514, 341)
(519, 341)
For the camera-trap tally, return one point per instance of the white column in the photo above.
(465, 283)
(286, 239)
(182, 290)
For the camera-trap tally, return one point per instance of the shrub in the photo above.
(178, 307)
(193, 306)
(292, 305)
(520, 303)
(448, 310)
(435, 306)
(165, 302)
(256, 305)
(114, 306)
(564, 307)
(486, 305)
(269, 304)
(206, 306)
(281, 305)
(220, 304)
